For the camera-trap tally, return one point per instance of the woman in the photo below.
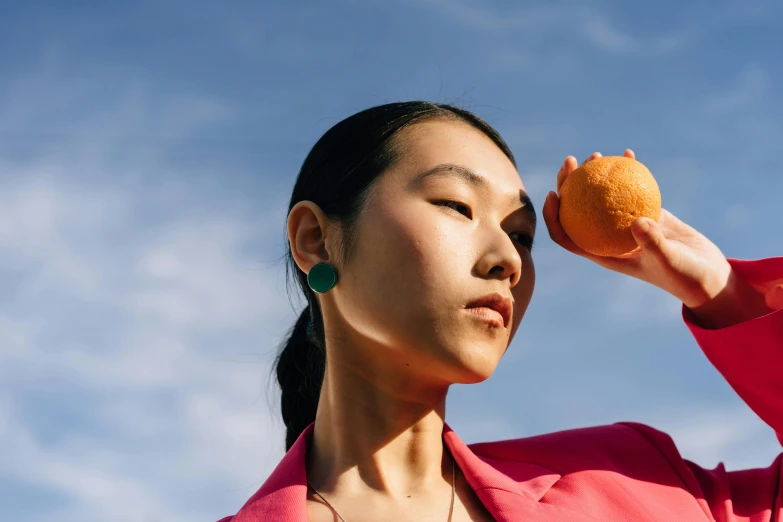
(415, 230)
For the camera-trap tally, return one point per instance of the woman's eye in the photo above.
(457, 206)
(523, 238)
(526, 240)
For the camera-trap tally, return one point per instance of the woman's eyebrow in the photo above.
(475, 179)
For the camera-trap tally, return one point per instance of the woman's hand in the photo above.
(670, 255)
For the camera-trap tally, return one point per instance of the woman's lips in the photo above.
(496, 302)
(488, 315)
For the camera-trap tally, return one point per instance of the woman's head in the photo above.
(420, 210)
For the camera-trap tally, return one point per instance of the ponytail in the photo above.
(300, 373)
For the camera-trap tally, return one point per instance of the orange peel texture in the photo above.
(600, 200)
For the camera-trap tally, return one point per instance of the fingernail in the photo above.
(644, 226)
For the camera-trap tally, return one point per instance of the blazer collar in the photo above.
(507, 488)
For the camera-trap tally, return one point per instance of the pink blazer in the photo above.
(619, 472)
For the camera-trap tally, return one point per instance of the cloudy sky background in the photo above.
(147, 153)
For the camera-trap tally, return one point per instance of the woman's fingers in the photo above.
(568, 166)
(556, 232)
(592, 156)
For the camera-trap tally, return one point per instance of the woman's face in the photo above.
(418, 260)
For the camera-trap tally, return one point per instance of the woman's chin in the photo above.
(475, 366)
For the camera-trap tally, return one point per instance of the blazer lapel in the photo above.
(510, 490)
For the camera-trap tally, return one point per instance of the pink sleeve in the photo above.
(749, 355)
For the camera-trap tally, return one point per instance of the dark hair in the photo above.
(337, 175)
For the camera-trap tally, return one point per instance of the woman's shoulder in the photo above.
(611, 445)
(592, 460)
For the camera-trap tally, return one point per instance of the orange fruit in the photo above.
(600, 200)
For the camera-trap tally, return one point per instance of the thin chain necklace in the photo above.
(451, 507)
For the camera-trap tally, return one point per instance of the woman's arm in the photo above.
(748, 352)
(733, 309)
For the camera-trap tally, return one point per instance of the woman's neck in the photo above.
(372, 436)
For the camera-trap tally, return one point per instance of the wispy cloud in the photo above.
(164, 330)
(557, 21)
(749, 88)
(602, 34)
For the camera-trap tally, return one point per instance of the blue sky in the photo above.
(147, 152)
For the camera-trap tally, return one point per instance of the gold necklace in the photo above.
(451, 507)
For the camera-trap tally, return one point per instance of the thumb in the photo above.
(648, 235)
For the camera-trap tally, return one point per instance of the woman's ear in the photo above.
(308, 231)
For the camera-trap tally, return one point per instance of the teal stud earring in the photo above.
(322, 277)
